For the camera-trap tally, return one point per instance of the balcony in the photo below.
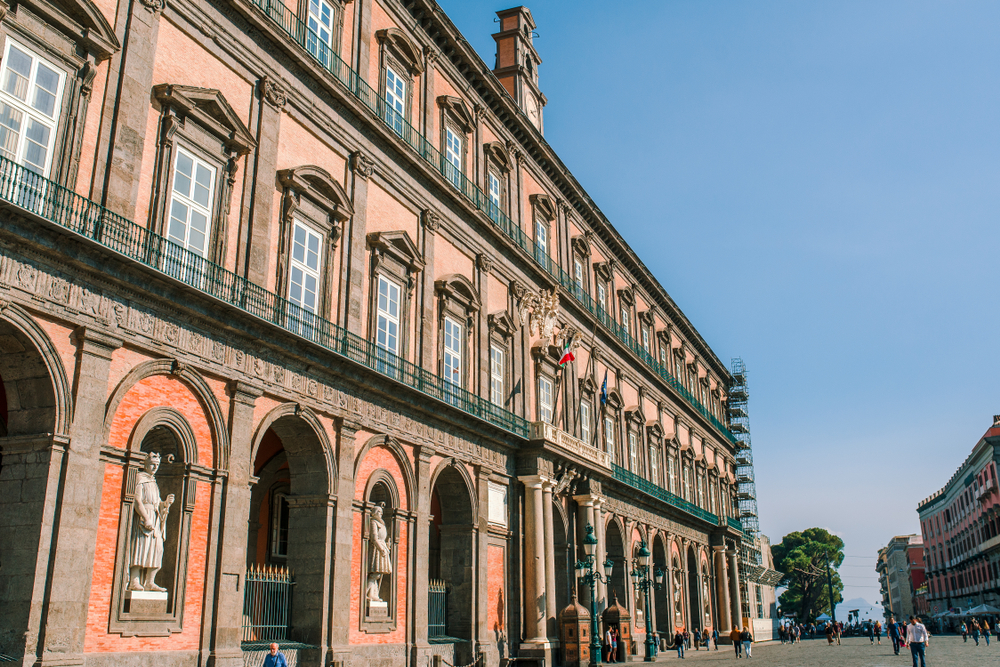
(561, 441)
(299, 33)
(49, 201)
(636, 482)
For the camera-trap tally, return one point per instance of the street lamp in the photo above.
(588, 574)
(641, 580)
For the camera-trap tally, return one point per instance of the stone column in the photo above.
(534, 560)
(585, 517)
(343, 545)
(421, 549)
(481, 593)
(354, 273)
(552, 632)
(223, 626)
(721, 592)
(668, 583)
(602, 552)
(736, 604)
(685, 584)
(58, 634)
(427, 323)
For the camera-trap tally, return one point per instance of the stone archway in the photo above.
(291, 517)
(661, 598)
(451, 562)
(564, 566)
(615, 545)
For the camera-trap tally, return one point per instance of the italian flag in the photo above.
(567, 357)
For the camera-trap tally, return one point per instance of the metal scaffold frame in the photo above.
(746, 488)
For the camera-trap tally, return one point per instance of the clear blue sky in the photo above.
(816, 185)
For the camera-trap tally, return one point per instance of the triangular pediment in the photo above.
(82, 21)
(208, 106)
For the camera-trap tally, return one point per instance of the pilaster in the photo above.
(552, 632)
(421, 550)
(354, 274)
(343, 545)
(721, 590)
(427, 325)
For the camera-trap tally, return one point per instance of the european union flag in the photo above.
(604, 389)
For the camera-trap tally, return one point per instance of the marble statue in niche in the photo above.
(148, 529)
(381, 558)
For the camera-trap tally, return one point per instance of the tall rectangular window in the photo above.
(387, 316)
(304, 268)
(663, 356)
(645, 339)
(686, 476)
(190, 221)
(496, 375)
(671, 475)
(30, 97)
(654, 465)
(319, 40)
(452, 351)
(633, 452)
(578, 274)
(279, 525)
(453, 157)
(541, 241)
(545, 402)
(395, 99)
(493, 186)
(585, 422)
(711, 497)
(609, 437)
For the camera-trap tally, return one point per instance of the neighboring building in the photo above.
(900, 568)
(319, 259)
(761, 582)
(960, 527)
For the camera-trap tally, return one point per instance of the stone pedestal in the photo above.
(378, 610)
(147, 603)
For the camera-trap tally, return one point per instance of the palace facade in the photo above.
(392, 360)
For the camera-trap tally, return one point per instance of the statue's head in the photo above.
(151, 463)
(377, 510)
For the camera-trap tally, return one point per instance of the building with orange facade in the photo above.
(286, 292)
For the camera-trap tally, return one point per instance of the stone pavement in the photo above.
(943, 651)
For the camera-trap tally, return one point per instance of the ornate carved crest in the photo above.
(362, 165)
(431, 220)
(273, 94)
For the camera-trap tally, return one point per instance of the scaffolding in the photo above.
(746, 489)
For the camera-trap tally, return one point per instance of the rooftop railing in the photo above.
(644, 485)
(63, 207)
(301, 34)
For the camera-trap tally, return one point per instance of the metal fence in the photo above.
(437, 608)
(644, 485)
(267, 603)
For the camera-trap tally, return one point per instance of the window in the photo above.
(541, 240)
(453, 157)
(387, 316)
(633, 452)
(663, 356)
(493, 185)
(496, 375)
(395, 100)
(625, 319)
(279, 525)
(609, 437)
(701, 490)
(585, 422)
(686, 476)
(602, 297)
(319, 40)
(654, 465)
(30, 99)
(190, 216)
(452, 351)
(645, 339)
(578, 273)
(305, 264)
(711, 496)
(671, 474)
(545, 403)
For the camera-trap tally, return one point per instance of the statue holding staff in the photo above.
(149, 528)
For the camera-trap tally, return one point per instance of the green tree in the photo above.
(803, 558)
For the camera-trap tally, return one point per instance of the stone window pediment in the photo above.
(320, 188)
(648, 317)
(633, 415)
(654, 431)
(615, 401)
(626, 295)
(502, 323)
(83, 22)
(587, 386)
(605, 270)
(497, 153)
(405, 51)
(581, 245)
(544, 205)
(458, 111)
(398, 247)
(209, 108)
(456, 288)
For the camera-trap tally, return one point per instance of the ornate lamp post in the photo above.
(588, 574)
(641, 580)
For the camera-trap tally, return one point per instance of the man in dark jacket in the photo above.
(892, 629)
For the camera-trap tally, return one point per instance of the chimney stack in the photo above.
(996, 420)
(517, 62)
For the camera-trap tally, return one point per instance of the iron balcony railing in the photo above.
(301, 34)
(61, 206)
(644, 485)
(267, 603)
(734, 524)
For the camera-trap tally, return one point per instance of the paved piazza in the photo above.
(944, 651)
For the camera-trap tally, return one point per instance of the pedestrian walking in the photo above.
(965, 632)
(892, 629)
(735, 637)
(274, 659)
(747, 640)
(715, 638)
(829, 634)
(975, 631)
(679, 643)
(878, 632)
(986, 631)
(917, 638)
(871, 634)
(687, 638)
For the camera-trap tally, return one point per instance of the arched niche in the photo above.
(382, 525)
(452, 549)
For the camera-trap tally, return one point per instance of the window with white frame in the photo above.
(387, 316)
(686, 476)
(191, 203)
(585, 421)
(578, 273)
(609, 437)
(654, 465)
(395, 100)
(625, 319)
(497, 375)
(545, 399)
(30, 98)
(701, 490)
(663, 356)
(633, 452)
(453, 156)
(602, 297)
(711, 496)
(671, 475)
(645, 339)
(542, 237)
(493, 186)
(279, 524)
(452, 351)
(304, 268)
(319, 40)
